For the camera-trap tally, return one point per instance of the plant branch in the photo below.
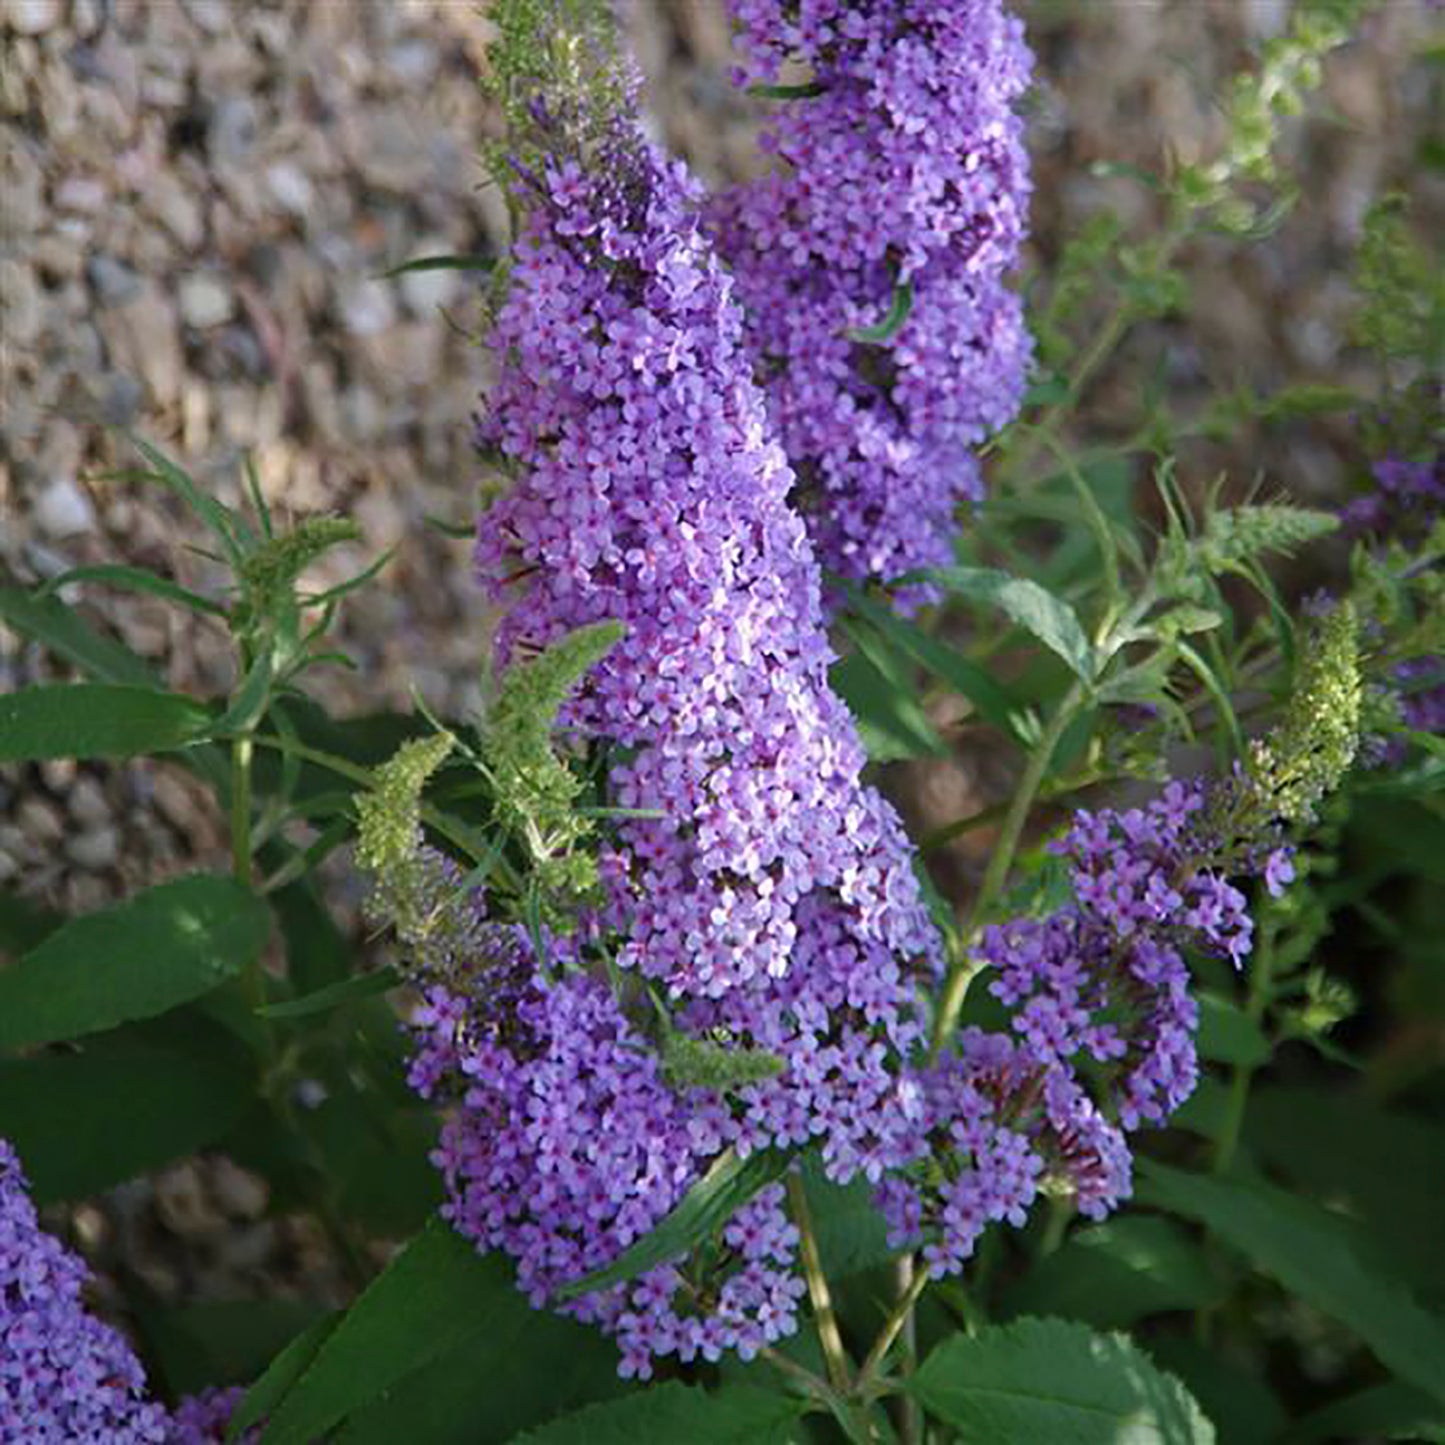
(824, 1319)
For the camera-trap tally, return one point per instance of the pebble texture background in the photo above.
(197, 198)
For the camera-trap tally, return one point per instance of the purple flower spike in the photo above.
(871, 263)
(64, 1376)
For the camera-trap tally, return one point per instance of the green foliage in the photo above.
(1315, 1255)
(162, 948)
(1048, 1380)
(1308, 752)
(733, 1415)
(97, 720)
(536, 792)
(1401, 287)
(703, 1210)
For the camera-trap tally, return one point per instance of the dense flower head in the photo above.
(65, 1377)
(204, 1419)
(564, 1144)
(871, 261)
(1407, 498)
(999, 1125)
(648, 492)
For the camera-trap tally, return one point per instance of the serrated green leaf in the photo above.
(733, 1415)
(729, 1184)
(120, 1105)
(159, 949)
(1048, 618)
(96, 720)
(1312, 1254)
(1113, 1274)
(1050, 1380)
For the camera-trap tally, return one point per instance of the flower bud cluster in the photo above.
(870, 262)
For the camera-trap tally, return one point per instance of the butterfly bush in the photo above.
(774, 894)
(64, 1375)
(902, 184)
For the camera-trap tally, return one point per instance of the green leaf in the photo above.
(852, 1234)
(159, 949)
(1313, 1255)
(1348, 1150)
(703, 1210)
(96, 720)
(530, 1367)
(137, 579)
(1048, 618)
(222, 1342)
(433, 1298)
(23, 924)
(1227, 1035)
(227, 528)
(1390, 1412)
(890, 719)
(1111, 1275)
(120, 1105)
(1049, 1380)
(992, 699)
(899, 307)
(807, 91)
(48, 621)
(282, 1375)
(1243, 1408)
(333, 995)
(733, 1415)
(442, 263)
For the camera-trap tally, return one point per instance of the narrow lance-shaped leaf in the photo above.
(159, 949)
(96, 720)
(1310, 1252)
(703, 1210)
(733, 1415)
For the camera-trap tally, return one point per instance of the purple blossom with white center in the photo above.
(65, 1377)
(909, 123)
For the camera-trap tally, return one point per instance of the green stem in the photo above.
(824, 1319)
(1061, 1211)
(1260, 992)
(996, 874)
(898, 1318)
(241, 756)
(910, 1416)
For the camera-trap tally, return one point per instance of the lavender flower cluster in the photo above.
(67, 1378)
(903, 183)
(771, 898)
(1102, 979)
